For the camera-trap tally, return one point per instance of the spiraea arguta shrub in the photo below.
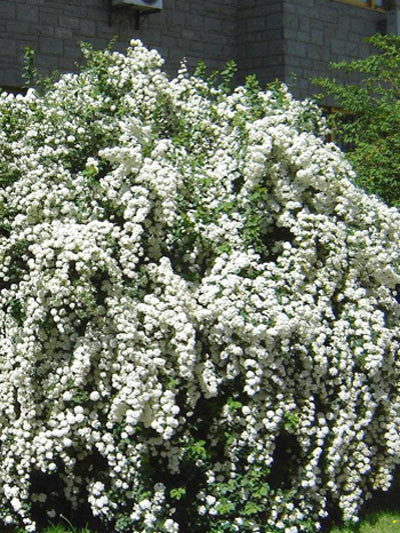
(199, 311)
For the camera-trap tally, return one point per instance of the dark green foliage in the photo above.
(368, 127)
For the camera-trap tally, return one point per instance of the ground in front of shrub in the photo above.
(61, 529)
(380, 522)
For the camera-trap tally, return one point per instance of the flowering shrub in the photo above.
(199, 311)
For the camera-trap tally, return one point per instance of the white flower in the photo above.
(94, 396)
(210, 499)
(230, 276)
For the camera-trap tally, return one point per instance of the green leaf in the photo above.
(178, 493)
(251, 508)
(225, 507)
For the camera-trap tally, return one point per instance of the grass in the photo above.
(379, 522)
(61, 529)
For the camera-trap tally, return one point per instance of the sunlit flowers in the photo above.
(199, 311)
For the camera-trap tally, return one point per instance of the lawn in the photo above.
(379, 522)
(61, 529)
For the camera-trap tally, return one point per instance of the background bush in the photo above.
(199, 311)
(368, 122)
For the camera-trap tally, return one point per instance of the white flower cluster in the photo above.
(199, 312)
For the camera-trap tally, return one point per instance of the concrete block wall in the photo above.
(269, 38)
(260, 39)
(317, 32)
(192, 29)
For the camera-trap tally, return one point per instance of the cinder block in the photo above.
(338, 46)
(295, 48)
(69, 22)
(87, 28)
(261, 35)
(63, 33)
(10, 76)
(27, 13)
(72, 51)
(75, 10)
(41, 29)
(274, 20)
(305, 37)
(7, 10)
(315, 52)
(15, 29)
(47, 64)
(255, 24)
(48, 16)
(51, 45)
(317, 37)
(8, 47)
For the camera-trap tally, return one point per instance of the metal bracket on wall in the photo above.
(138, 16)
(137, 13)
